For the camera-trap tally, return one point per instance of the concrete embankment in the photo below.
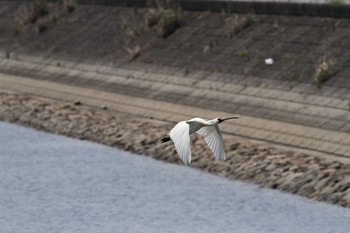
(214, 61)
(310, 176)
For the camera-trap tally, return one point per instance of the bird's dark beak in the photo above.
(228, 118)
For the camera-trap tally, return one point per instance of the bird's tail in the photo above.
(165, 138)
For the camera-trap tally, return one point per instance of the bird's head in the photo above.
(224, 119)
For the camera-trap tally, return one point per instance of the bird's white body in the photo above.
(197, 123)
(209, 129)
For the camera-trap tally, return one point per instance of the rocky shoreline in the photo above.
(294, 172)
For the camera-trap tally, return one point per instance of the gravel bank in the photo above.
(313, 177)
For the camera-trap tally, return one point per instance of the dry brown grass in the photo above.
(133, 53)
(43, 24)
(152, 17)
(170, 21)
(238, 24)
(167, 16)
(40, 14)
(40, 8)
(323, 71)
(69, 5)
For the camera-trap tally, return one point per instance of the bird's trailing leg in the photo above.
(165, 139)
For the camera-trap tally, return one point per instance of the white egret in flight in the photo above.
(209, 129)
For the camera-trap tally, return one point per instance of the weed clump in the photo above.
(40, 8)
(323, 72)
(42, 25)
(186, 71)
(169, 22)
(40, 14)
(337, 2)
(152, 17)
(241, 24)
(168, 19)
(135, 32)
(18, 29)
(242, 53)
(69, 5)
(133, 53)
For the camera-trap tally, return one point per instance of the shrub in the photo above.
(133, 53)
(242, 53)
(170, 21)
(152, 17)
(18, 29)
(54, 18)
(42, 25)
(69, 5)
(186, 71)
(135, 32)
(167, 14)
(323, 72)
(243, 24)
(337, 2)
(39, 9)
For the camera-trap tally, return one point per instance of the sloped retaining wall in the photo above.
(256, 7)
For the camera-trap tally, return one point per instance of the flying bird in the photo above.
(209, 129)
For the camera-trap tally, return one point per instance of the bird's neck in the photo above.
(212, 122)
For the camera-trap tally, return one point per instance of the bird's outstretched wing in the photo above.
(181, 138)
(213, 137)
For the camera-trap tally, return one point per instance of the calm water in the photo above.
(50, 183)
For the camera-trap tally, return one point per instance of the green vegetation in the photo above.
(292, 77)
(337, 2)
(247, 21)
(124, 24)
(40, 8)
(242, 53)
(186, 71)
(136, 32)
(43, 24)
(287, 57)
(206, 49)
(40, 14)
(54, 18)
(165, 19)
(258, 84)
(133, 53)
(243, 24)
(336, 24)
(218, 69)
(170, 21)
(18, 29)
(168, 17)
(152, 17)
(69, 5)
(323, 72)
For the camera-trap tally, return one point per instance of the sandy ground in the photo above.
(51, 183)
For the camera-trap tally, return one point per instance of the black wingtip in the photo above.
(165, 139)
